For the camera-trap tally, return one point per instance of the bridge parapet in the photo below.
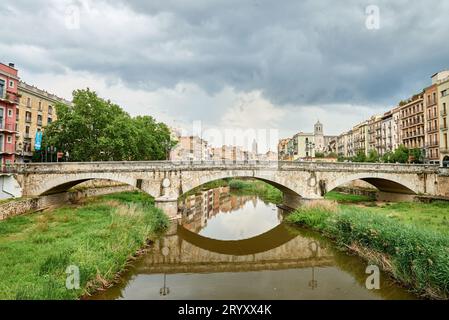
(126, 166)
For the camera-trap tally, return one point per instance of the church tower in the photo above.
(319, 137)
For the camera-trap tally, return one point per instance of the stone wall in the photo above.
(29, 205)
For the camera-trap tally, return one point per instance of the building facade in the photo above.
(9, 99)
(443, 106)
(305, 145)
(36, 110)
(432, 154)
(412, 122)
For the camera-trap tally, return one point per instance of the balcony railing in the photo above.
(443, 127)
(8, 127)
(443, 113)
(7, 148)
(28, 120)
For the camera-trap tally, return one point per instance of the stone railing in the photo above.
(128, 166)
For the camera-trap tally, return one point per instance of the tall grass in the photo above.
(98, 237)
(418, 257)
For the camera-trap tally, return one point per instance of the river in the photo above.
(233, 246)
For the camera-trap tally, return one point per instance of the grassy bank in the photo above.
(415, 253)
(256, 187)
(348, 198)
(98, 236)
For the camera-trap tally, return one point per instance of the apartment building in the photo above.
(387, 132)
(283, 149)
(432, 128)
(360, 138)
(36, 110)
(412, 122)
(396, 125)
(442, 82)
(190, 148)
(9, 100)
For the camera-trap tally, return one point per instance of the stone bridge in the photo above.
(166, 181)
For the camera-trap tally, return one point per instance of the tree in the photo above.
(400, 155)
(319, 155)
(373, 156)
(387, 157)
(360, 156)
(416, 155)
(93, 129)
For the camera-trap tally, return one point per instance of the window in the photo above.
(2, 88)
(28, 102)
(49, 120)
(40, 106)
(50, 110)
(11, 84)
(9, 139)
(39, 120)
(444, 93)
(9, 113)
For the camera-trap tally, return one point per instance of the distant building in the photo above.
(190, 148)
(305, 145)
(35, 111)
(441, 80)
(9, 82)
(412, 122)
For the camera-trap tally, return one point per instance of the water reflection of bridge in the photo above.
(195, 210)
(177, 254)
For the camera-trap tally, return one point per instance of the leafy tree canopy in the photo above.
(93, 129)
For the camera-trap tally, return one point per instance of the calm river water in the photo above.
(230, 246)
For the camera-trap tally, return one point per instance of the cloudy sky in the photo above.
(231, 64)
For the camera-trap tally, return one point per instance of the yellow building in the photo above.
(35, 111)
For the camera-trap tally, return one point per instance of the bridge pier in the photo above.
(169, 206)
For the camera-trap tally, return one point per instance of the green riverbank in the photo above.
(408, 240)
(99, 236)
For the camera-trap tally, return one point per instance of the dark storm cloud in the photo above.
(296, 52)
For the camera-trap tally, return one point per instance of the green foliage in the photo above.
(373, 156)
(400, 155)
(94, 129)
(263, 190)
(360, 156)
(98, 237)
(419, 256)
(319, 155)
(416, 156)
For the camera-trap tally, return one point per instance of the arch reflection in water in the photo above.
(287, 263)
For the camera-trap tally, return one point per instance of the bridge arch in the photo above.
(266, 241)
(281, 184)
(62, 183)
(384, 182)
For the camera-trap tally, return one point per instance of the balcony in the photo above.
(10, 98)
(39, 122)
(443, 113)
(444, 151)
(28, 119)
(7, 149)
(443, 127)
(8, 127)
(432, 129)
